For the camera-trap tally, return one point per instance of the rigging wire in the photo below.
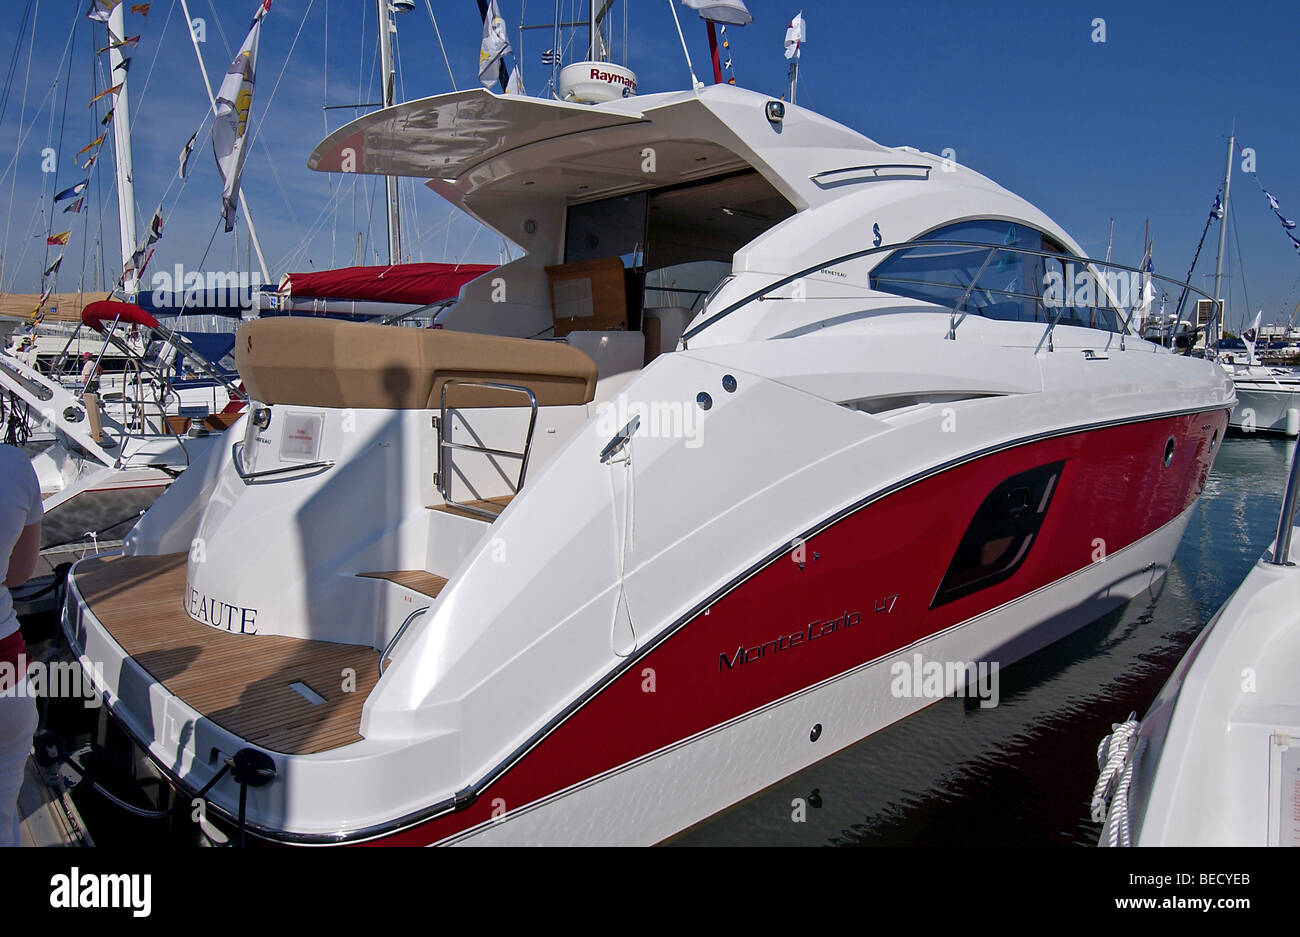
(1241, 264)
(446, 61)
(158, 47)
(220, 31)
(21, 115)
(13, 59)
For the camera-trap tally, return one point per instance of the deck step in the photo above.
(493, 506)
(417, 580)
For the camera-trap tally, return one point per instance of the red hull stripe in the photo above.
(864, 591)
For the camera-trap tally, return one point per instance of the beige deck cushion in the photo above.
(339, 365)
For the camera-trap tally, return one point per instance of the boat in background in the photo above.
(1215, 761)
(118, 445)
(1268, 397)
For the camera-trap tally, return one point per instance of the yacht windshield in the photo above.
(1032, 280)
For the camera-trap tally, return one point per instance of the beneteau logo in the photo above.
(89, 890)
(814, 631)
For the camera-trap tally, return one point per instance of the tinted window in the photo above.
(1000, 536)
(611, 227)
(996, 284)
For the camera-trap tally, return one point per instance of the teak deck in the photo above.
(240, 682)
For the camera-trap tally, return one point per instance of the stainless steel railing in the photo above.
(1286, 522)
(446, 445)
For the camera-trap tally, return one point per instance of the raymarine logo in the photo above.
(76, 890)
(814, 631)
(614, 79)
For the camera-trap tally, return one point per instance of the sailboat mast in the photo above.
(389, 78)
(122, 149)
(1216, 318)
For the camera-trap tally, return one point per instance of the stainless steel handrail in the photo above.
(1286, 522)
(398, 636)
(445, 443)
(237, 461)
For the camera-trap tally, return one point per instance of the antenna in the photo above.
(696, 84)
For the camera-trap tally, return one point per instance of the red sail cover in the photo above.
(412, 284)
(107, 311)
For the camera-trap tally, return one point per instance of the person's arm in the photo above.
(26, 552)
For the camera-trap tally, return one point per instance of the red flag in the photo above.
(57, 240)
(141, 8)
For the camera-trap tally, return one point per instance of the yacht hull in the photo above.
(800, 656)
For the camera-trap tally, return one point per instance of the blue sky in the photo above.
(1131, 128)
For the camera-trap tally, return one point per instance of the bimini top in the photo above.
(440, 137)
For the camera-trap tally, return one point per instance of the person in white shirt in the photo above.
(90, 372)
(20, 543)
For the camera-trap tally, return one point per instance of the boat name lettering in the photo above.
(813, 631)
(218, 614)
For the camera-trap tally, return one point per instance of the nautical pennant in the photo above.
(494, 47)
(185, 153)
(796, 34)
(75, 207)
(141, 8)
(234, 101)
(98, 141)
(107, 118)
(100, 9)
(107, 91)
(1287, 224)
(115, 43)
(74, 190)
(58, 240)
(53, 268)
(155, 226)
(125, 65)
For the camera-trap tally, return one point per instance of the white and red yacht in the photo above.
(604, 555)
